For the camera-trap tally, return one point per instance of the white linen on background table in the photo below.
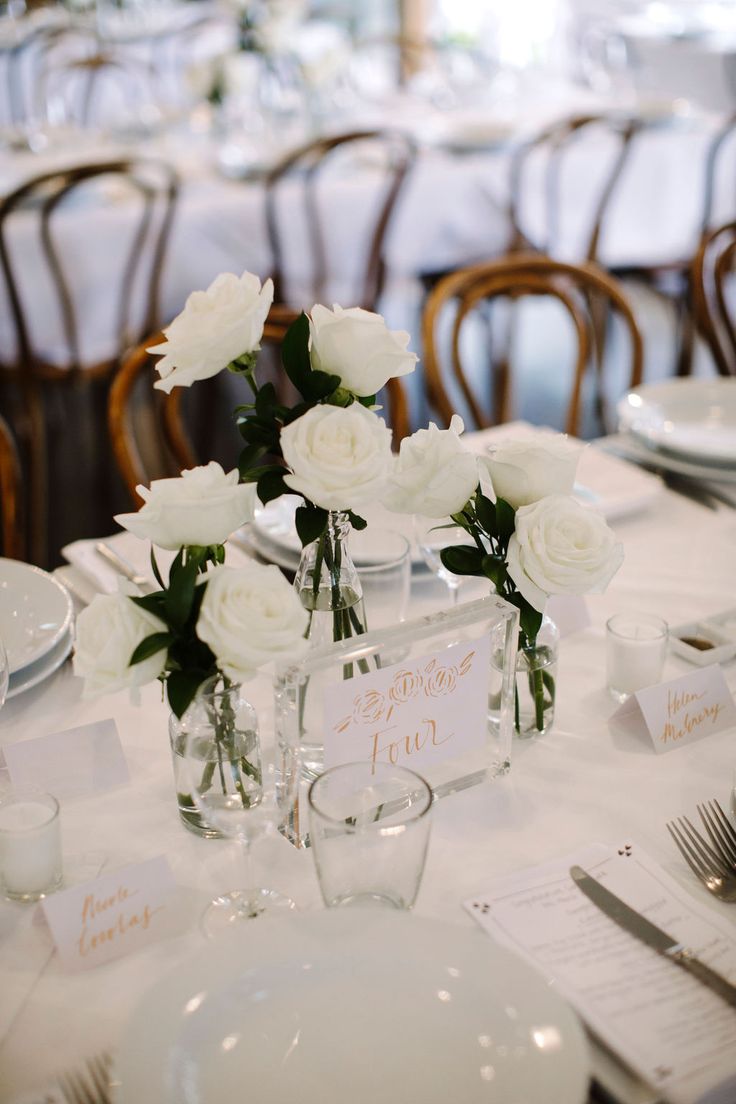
(583, 782)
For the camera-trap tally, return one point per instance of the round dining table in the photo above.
(585, 781)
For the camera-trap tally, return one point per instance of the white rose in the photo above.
(522, 472)
(358, 346)
(107, 633)
(216, 326)
(433, 474)
(560, 547)
(201, 506)
(251, 615)
(339, 456)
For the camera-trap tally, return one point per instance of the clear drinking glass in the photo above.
(239, 788)
(382, 558)
(369, 831)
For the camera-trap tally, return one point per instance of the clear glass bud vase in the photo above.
(221, 728)
(328, 585)
(536, 682)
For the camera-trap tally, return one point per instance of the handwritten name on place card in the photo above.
(681, 711)
(111, 916)
(72, 763)
(414, 714)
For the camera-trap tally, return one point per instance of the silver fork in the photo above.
(721, 832)
(91, 1086)
(703, 860)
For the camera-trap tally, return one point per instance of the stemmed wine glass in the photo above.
(240, 790)
(432, 535)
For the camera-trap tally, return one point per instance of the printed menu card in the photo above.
(669, 1028)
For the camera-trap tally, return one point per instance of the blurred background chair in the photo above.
(57, 359)
(389, 156)
(713, 288)
(11, 496)
(458, 338)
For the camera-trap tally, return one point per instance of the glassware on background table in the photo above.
(240, 790)
(432, 535)
(369, 831)
(636, 645)
(30, 844)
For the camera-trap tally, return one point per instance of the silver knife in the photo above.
(636, 924)
(117, 563)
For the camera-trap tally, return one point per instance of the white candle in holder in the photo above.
(636, 645)
(30, 844)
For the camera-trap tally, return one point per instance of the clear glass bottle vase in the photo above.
(328, 584)
(536, 682)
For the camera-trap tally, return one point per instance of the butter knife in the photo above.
(117, 563)
(636, 924)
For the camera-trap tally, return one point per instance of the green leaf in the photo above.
(485, 511)
(358, 523)
(178, 600)
(366, 400)
(181, 687)
(254, 474)
(295, 352)
(259, 431)
(320, 385)
(494, 568)
(311, 522)
(148, 647)
(152, 603)
(463, 559)
(265, 399)
(156, 572)
(505, 521)
(249, 456)
(272, 485)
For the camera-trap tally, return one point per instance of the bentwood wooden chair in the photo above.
(67, 328)
(713, 295)
(11, 496)
(460, 374)
(389, 156)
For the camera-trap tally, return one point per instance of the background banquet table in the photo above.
(583, 782)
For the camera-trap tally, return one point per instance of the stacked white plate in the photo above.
(36, 618)
(687, 426)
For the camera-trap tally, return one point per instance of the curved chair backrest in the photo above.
(554, 144)
(45, 231)
(11, 498)
(309, 164)
(713, 285)
(575, 287)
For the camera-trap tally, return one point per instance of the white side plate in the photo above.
(692, 419)
(35, 612)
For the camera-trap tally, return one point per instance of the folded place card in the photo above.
(672, 1030)
(111, 916)
(680, 711)
(73, 763)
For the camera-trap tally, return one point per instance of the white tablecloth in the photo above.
(583, 782)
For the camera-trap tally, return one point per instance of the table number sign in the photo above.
(434, 694)
(680, 711)
(411, 714)
(115, 914)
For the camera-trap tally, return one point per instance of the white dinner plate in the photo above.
(35, 612)
(691, 419)
(364, 1006)
(36, 673)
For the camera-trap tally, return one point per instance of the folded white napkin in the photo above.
(102, 576)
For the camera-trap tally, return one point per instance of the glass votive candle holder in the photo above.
(369, 831)
(636, 645)
(30, 844)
